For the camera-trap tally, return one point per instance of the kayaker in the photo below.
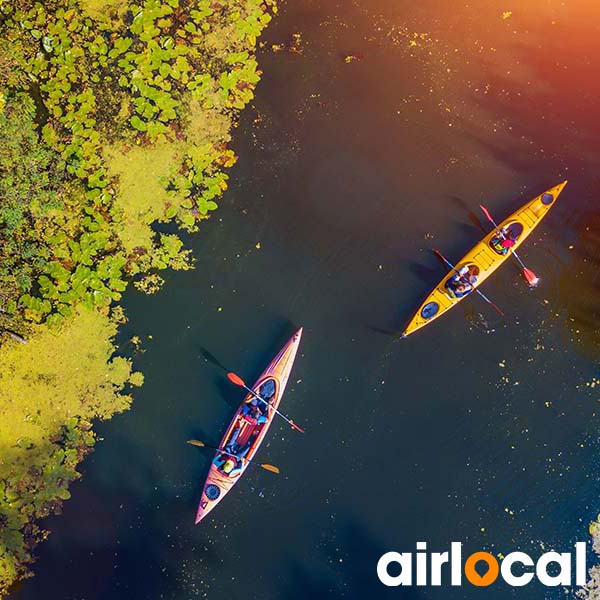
(504, 242)
(462, 282)
(253, 414)
(247, 423)
(257, 416)
(266, 392)
(256, 408)
(462, 289)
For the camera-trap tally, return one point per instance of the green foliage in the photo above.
(45, 430)
(114, 115)
(30, 182)
(125, 77)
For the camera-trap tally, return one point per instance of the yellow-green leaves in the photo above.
(138, 102)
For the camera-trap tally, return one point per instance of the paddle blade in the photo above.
(271, 468)
(236, 379)
(531, 277)
(443, 258)
(497, 309)
(196, 443)
(439, 255)
(486, 212)
(294, 426)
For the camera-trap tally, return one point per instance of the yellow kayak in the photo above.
(480, 262)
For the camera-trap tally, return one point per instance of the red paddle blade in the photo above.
(497, 309)
(531, 277)
(486, 212)
(294, 426)
(236, 379)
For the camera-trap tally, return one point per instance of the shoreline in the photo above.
(139, 109)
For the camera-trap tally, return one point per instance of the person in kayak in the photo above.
(462, 282)
(266, 392)
(246, 425)
(505, 241)
(255, 409)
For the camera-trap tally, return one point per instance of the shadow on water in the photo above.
(470, 232)
(222, 384)
(212, 359)
(475, 220)
(393, 333)
(228, 391)
(427, 275)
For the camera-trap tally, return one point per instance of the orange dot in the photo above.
(489, 576)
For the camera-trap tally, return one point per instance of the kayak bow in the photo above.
(484, 259)
(218, 483)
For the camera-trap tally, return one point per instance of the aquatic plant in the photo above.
(116, 116)
(129, 78)
(50, 390)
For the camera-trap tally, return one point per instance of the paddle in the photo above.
(264, 466)
(529, 275)
(237, 380)
(438, 253)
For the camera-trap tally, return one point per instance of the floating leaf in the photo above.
(138, 123)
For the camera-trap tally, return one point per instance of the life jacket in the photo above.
(498, 247)
(247, 425)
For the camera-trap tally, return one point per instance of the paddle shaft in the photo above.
(458, 273)
(221, 451)
(249, 389)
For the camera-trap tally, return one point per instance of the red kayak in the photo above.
(247, 429)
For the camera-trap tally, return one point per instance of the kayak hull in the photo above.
(218, 484)
(484, 258)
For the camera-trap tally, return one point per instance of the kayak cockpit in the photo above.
(267, 391)
(463, 281)
(507, 238)
(430, 310)
(252, 417)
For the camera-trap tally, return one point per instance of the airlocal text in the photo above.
(517, 569)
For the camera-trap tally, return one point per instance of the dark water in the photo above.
(349, 174)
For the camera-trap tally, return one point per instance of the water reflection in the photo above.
(579, 285)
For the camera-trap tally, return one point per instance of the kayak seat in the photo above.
(245, 434)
